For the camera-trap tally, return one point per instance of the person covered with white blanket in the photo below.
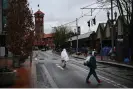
(64, 58)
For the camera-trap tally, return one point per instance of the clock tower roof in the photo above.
(39, 12)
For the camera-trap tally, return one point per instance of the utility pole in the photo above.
(76, 33)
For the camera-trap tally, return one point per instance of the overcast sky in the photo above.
(58, 12)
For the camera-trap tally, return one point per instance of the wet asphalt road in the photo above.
(75, 74)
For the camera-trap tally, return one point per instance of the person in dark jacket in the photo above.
(92, 65)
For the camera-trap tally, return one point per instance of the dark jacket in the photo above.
(92, 63)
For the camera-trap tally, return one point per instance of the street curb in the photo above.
(110, 63)
(116, 64)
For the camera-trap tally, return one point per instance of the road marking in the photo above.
(59, 66)
(50, 79)
(105, 79)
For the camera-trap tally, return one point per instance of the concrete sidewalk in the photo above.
(106, 60)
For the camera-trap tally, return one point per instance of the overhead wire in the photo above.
(84, 14)
(99, 10)
(77, 19)
(92, 4)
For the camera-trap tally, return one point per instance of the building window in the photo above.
(5, 4)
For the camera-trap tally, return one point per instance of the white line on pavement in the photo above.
(50, 79)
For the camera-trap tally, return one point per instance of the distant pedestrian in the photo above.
(94, 51)
(85, 52)
(91, 63)
(64, 58)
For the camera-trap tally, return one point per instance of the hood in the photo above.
(93, 53)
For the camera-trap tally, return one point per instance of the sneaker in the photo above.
(88, 82)
(99, 81)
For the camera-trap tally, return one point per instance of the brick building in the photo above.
(48, 39)
(39, 28)
(41, 39)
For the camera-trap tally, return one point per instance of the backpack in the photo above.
(87, 60)
(91, 63)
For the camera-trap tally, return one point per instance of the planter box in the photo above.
(7, 78)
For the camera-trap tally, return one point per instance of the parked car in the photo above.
(36, 48)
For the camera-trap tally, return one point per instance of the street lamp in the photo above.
(115, 15)
(112, 20)
(112, 27)
(108, 14)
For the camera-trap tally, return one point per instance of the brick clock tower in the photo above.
(39, 26)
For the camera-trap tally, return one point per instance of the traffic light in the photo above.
(94, 21)
(79, 30)
(88, 23)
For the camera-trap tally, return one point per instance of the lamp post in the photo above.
(112, 26)
(5, 32)
(70, 44)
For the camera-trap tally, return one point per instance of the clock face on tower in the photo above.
(39, 19)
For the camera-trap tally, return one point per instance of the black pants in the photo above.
(92, 71)
(63, 63)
